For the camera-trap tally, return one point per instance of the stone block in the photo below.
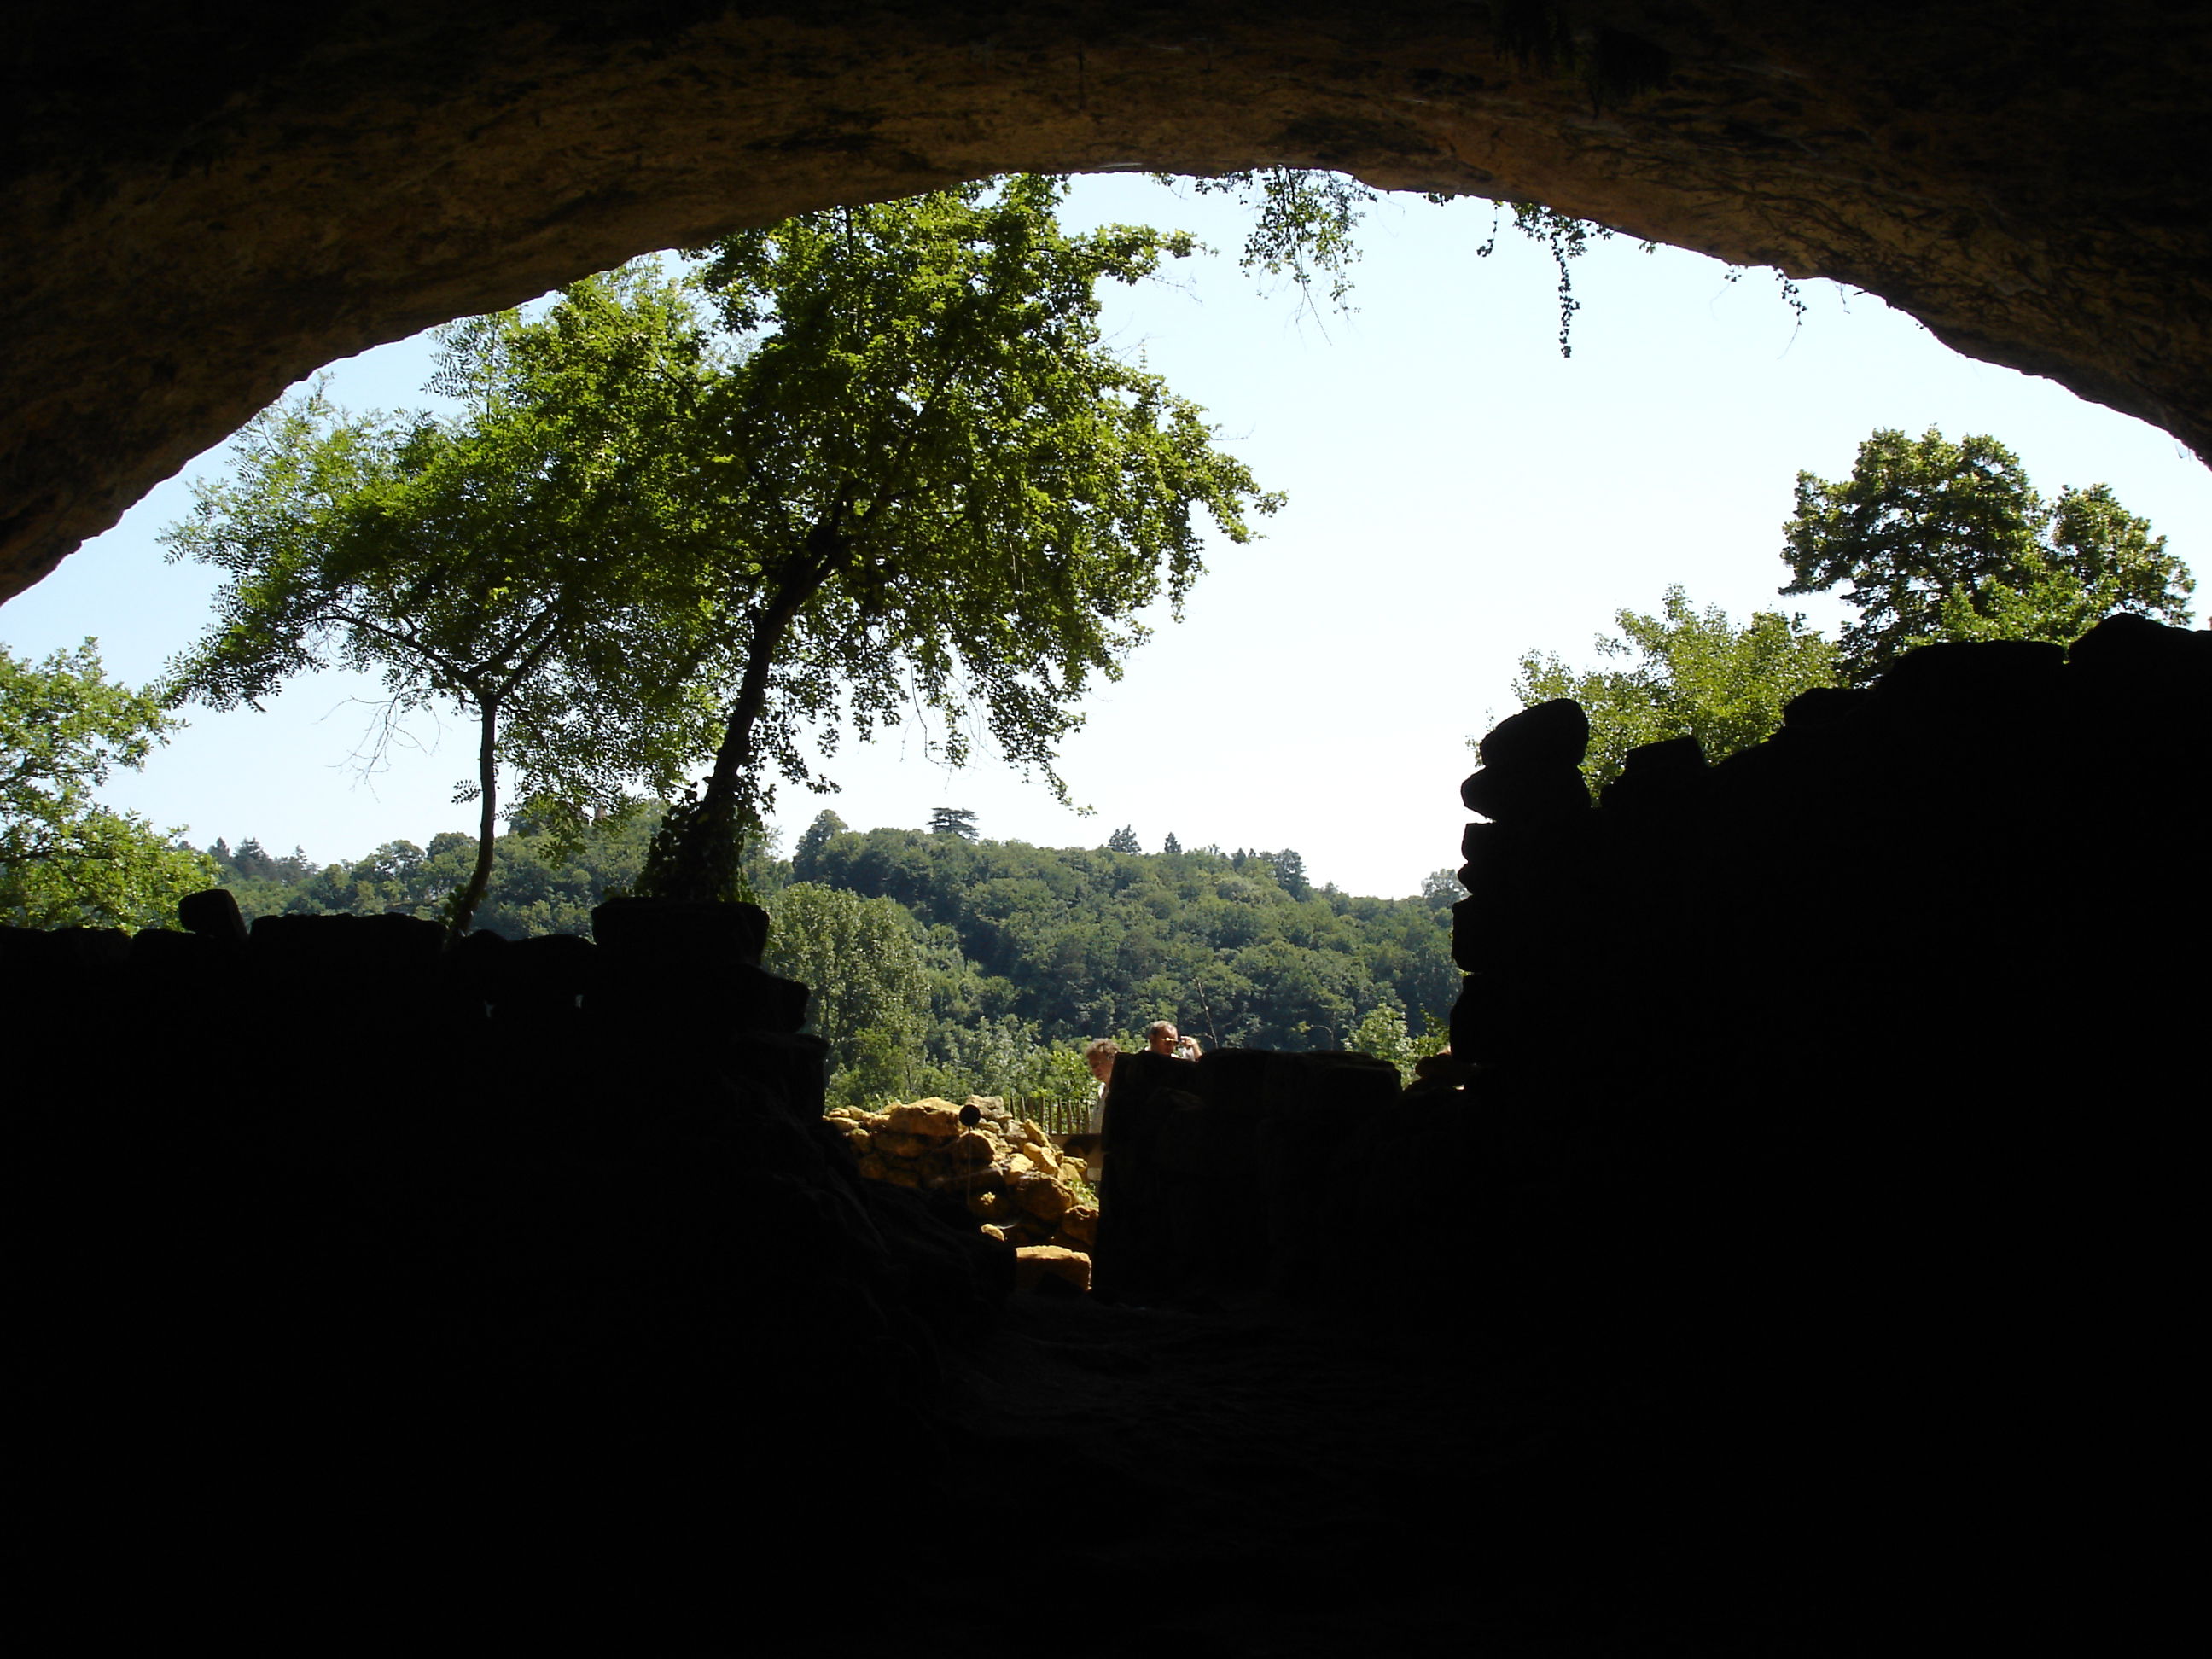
(1527, 794)
(1041, 1196)
(1957, 690)
(1549, 734)
(679, 937)
(212, 912)
(1036, 1264)
(1655, 776)
(932, 1119)
(1823, 705)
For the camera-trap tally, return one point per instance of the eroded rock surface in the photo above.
(201, 213)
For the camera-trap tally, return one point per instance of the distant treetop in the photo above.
(952, 821)
(1933, 540)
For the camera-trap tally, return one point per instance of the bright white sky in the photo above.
(1459, 494)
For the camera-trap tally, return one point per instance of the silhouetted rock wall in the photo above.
(1829, 1161)
(364, 1260)
(1237, 1174)
(1975, 866)
(1863, 1070)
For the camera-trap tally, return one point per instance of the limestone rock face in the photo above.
(202, 212)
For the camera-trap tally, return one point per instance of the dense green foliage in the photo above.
(946, 966)
(886, 468)
(1683, 673)
(1931, 539)
(1085, 942)
(937, 491)
(64, 858)
(866, 962)
(525, 562)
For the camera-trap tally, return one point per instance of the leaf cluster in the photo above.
(1305, 223)
(522, 558)
(930, 458)
(1931, 539)
(1683, 672)
(64, 858)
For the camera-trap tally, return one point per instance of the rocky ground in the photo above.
(1255, 1481)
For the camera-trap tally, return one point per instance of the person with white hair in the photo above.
(1162, 1038)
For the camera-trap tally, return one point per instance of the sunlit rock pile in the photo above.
(1009, 1174)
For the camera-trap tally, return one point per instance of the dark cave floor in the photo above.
(1265, 1481)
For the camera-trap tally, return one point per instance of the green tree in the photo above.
(938, 489)
(1124, 840)
(1931, 539)
(810, 840)
(1079, 942)
(1384, 1033)
(864, 959)
(527, 561)
(1683, 673)
(64, 858)
(952, 821)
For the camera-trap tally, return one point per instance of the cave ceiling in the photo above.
(204, 203)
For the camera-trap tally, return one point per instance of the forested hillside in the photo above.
(944, 962)
(1236, 947)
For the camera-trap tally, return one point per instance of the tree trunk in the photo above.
(826, 554)
(465, 902)
(697, 861)
(733, 759)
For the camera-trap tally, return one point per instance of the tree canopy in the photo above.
(1086, 942)
(528, 562)
(901, 475)
(1931, 539)
(940, 493)
(865, 961)
(64, 858)
(1683, 672)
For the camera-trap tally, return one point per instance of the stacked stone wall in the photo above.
(349, 1253)
(1853, 1082)
(1003, 1169)
(1991, 844)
